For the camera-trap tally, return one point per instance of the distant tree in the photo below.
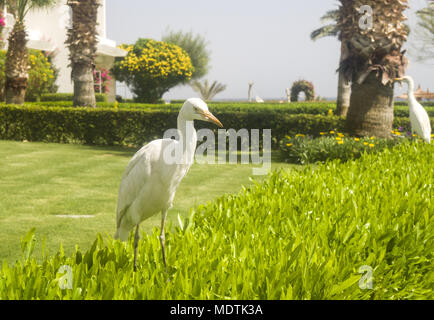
(152, 68)
(332, 30)
(195, 46)
(424, 32)
(207, 91)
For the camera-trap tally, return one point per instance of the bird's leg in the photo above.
(163, 237)
(136, 244)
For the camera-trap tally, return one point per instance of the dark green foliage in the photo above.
(103, 126)
(302, 86)
(137, 124)
(100, 97)
(313, 108)
(303, 150)
(424, 103)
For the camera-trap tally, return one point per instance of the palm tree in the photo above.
(374, 60)
(82, 42)
(344, 87)
(206, 91)
(16, 65)
(425, 33)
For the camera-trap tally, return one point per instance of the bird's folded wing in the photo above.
(423, 119)
(138, 172)
(134, 177)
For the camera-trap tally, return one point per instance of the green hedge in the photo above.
(100, 97)
(295, 108)
(424, 103)
(322, 108)
(135, 127)
(103, 126)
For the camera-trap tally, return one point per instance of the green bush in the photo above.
(315, 108)
(103, 126)
(303, 149)
(152, 68)
(402, 111)
(424, 103)
(301, 234)
(123, 126)
(100, 97)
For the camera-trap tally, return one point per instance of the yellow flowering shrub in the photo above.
(308, 149)
(41, 75)
(152, 67)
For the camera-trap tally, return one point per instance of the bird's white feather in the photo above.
(419, 118)
(149, 184)
(150, 180)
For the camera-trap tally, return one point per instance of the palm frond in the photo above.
(331, 15)
(330, 30)
(206, 91)
(20, 8)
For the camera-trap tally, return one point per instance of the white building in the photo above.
(46, 31)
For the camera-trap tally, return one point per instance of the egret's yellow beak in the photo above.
(208, 116)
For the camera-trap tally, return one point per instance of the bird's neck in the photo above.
(188, 138)
(411, 90)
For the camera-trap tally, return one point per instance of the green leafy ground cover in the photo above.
(298, 235)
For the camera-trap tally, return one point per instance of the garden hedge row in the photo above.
(102, 126)
(99, 97)
(323, 108)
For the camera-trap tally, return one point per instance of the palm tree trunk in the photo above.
(344, 87)
(371, 111)
(84, 92)
(82, 42)
(16, 66)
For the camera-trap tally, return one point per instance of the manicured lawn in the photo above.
(40, 182)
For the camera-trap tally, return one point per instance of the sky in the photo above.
(267, 42)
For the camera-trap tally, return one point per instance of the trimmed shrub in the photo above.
(100, 97)
(111, 126)
(302, 86)
(152, 67)
(303, 149)
(424, 103)
(104, 126)
(321, 108)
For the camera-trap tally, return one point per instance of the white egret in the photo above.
(419, 118)
(151, 178)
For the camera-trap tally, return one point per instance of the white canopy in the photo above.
(41, 45)
(110, 51)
